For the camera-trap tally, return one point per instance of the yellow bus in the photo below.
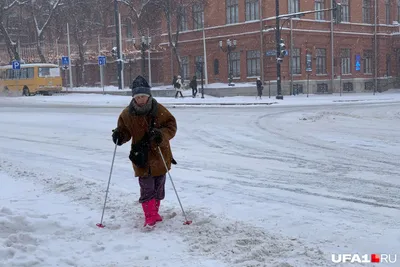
(31, 79)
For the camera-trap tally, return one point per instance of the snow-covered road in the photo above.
(265, 186)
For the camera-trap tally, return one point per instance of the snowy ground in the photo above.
(278, 185)
(121, 101)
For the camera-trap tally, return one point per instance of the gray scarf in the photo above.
(135, 109)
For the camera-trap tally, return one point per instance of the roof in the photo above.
(48, 65)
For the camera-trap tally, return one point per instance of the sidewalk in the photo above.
(207, 101)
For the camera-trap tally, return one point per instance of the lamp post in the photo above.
(230, 46)
(118, 50)
(143, 45)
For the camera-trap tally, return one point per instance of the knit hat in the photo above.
(140, 87)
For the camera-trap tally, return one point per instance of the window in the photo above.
(23, 73)
(49, 72)
(295, 63)
(294, 6)
(366, 11)
(198, 16)
(252, 10)
(398, 10)
(253, 63)
(196, 60)
(368, 61)
(234, 64)
(321, 60)
(345, 63)
(319, 5)
(216, 66)
(185, 67)
(388, 65)
(387, 11)
(232, 11)
(183, 25)
(128, 28)
(345, 11)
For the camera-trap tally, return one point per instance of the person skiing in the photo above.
(151, 127)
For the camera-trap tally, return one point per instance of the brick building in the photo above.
(350, 66)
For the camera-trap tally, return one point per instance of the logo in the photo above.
(364, 258)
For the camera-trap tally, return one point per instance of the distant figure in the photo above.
(260, 88)
(174, 80)
(178, 85)
(193, 85)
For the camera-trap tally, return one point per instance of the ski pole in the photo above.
(187, 222)
(108, 186)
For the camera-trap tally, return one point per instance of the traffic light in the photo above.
(282, 49)
(114, 52)
(337, 12)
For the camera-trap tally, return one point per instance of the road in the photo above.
(283, 181)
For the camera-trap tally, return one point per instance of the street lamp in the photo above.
(142, 45)
(118, 50)
(230, 46)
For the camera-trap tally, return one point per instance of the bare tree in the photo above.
(84, 27)
(139, 9)
(5, 8)
(177, 10)
(42, 12)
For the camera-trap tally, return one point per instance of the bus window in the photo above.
(10, 74)
(26, 73)
(49, 72)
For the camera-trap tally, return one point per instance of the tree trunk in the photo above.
(39, 50)
(178, 59)
(11, 46)
(82, 63)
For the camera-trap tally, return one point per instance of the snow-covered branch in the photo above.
(39, 30)
(12, 4)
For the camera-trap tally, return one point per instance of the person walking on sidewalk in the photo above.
(260, 88)
(150, 126)
(193, 85)
(178, 86)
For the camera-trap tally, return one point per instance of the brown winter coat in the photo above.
(135, 126)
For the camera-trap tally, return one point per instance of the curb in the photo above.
(217, 104)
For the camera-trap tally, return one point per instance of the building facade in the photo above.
(359, 54)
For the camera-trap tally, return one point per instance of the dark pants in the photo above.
(152, 187)
(178, 92)
(259, 92)
(194, 91)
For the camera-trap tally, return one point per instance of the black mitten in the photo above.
(117, 137)
(156, 136)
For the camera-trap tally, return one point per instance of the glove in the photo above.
(156, 136)
(117, 136)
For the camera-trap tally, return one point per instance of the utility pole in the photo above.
(119, 61)
(261, 43)
(278, 63)
(375, 47)
(291, 56)
(332, 48)
(69, 61)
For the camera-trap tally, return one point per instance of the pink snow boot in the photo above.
(157, 215)
(150, 211)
